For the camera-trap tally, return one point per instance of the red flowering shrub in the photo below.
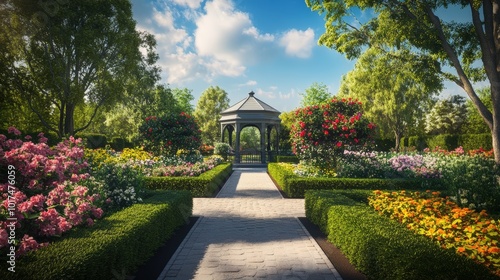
(165, 135)
(321, 132)
(41, 196)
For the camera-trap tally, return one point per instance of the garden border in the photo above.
(114, 246)
(205, 185)
(382, 248)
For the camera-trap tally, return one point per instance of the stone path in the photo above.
(249, 232)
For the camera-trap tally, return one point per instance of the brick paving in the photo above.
(249, 232)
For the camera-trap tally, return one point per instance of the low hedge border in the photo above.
(296, 186)
(382, 248)
(204, 185)
(114, 246)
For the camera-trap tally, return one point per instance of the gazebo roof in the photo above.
(251, 103)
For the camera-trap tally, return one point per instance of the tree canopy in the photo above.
(395, 93)
(59, 57)
(208, 110)
(469, 47)
(316, 94)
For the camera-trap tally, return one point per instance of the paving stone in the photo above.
(249, 231)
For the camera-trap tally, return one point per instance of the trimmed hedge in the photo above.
(118, 144)
(290, 159)
(475, 141)
(115, 245)
(295, 186)
(384, 145)
(93, 140)
(204, 185)
(449, 142)
(382, 248)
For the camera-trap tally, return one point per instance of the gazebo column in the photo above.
(237, 144)
(263, 143)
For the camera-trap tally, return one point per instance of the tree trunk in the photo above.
(69, 121)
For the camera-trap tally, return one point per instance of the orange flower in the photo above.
(493, 250)
(460, 249)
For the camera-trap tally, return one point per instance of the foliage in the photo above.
(170, 133)
(212, 102)
(188, 169)
(115, 245)
(469, 233)
(472, 180)
(250, 138)
(474, 123)
(382, 248)
(295, 186)
(122, 183)
(46, 195)
(316, 94)
(222, 149)
(204, 185)
(468, 46)
(446, 116)
(395, 93)
(83, 51)
(320, 133)
(183, 98)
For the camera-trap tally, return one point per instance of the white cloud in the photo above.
(267, 94)
(227, 38)
(249, 83)
(193, 4)
(298, 43)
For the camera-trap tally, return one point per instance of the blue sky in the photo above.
(266, 46)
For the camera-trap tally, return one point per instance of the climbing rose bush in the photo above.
(321, 132)
(167, 134)
(46, 198)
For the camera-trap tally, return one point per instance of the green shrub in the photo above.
(222, 149)
(382, 248)
(118, 144)
(445, 141)
(384, 145)
(93, 140)
(475, 141)
(290, 159)
(116, 245)
(204, 185)
(295, 186)
(420, 142)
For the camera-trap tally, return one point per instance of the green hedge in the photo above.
(384, 145)
(295, 186)
(449, 141)
(382, 248)
(118, 144)
(115, 245)
(93, 140)
(291, 159)
(475, 141)
(204, 185)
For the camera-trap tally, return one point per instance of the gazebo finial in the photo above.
(251, 93)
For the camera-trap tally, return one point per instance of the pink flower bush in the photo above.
(45, 199)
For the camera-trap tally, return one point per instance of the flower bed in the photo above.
(45, 196)
(470, 233)
(115, 246)
(296, 186)
(204, 185)
(380, 247)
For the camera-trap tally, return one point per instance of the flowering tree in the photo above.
(321, 132)
(167, 134)
(43, 195)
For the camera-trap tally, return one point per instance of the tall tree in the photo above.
(212, 102)
(461, 45)
(68, 53)
(474, 122)
(316, 94)
(394, 92)
(446, 116)
(183, 97)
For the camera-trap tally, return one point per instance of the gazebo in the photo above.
(251, 111)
